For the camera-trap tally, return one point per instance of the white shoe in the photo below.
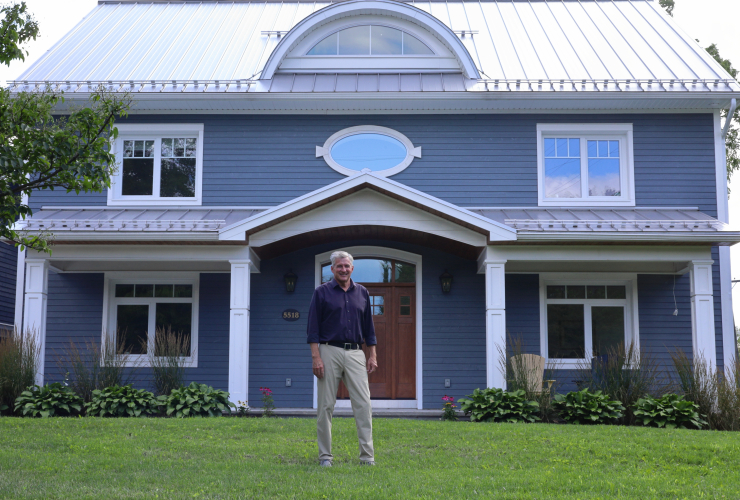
(325, 463)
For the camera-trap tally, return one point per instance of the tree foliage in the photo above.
(43, 149)
(16, 28)
(668, 6)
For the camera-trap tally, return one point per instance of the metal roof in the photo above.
(533, 46)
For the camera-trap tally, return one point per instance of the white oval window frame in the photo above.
(411, 151)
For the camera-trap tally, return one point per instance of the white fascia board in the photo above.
(730, 237)
(132, 236)
(158, 253)
(496, 230)
(599, 253)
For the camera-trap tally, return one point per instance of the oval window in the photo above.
(373, 151)
(368, 148)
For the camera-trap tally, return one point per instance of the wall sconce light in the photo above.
(290, 279)
(446, 281)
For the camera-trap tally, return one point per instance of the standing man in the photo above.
(339, 322)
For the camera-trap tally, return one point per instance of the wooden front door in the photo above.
(394, 316)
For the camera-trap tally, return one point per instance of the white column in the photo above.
(239, 331)
(34, 307)
(495, 322)
(702, 311)
(20, 288)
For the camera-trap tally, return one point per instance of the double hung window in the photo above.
(585, 165)
(585, 318)
(158, 165)
(142, 311)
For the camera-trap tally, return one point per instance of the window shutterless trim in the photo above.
(154, 131)
(177, 278)
(631, 323)
(589, 131)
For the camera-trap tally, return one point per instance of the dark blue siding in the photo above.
(523, 311)
(453, 335)
(469, 160)
(8, 267)
(75, 314)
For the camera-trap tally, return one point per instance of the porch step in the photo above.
(347, 413)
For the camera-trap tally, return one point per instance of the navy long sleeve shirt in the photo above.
(339, 316)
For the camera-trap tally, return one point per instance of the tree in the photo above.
(40, 149)
(732, 141)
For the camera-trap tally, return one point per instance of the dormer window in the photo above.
(370, 41)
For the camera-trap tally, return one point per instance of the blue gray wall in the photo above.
(453, 338)
(75, 313)
(470, 160)
(8, 267)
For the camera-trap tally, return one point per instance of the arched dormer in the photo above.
(426, 44)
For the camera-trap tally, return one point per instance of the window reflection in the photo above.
(370, 40)
(374, 151)
(376, 271)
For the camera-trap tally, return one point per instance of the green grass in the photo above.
(276, 458)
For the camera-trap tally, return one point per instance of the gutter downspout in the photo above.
(733, 107)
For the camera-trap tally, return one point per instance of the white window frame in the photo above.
(631, 319)
(586, 132)
(382, 25)
(110, 301)
(149, 131)
(411, 151)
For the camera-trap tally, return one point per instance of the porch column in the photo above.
(495, 321)
(239, 331)
(34, 308)
(702, 311)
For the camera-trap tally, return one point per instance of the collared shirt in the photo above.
(339, 316)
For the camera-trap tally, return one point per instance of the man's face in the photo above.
(342, 270)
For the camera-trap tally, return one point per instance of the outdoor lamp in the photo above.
(290, 280)
(446, 281)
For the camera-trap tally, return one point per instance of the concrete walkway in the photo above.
(347, 412)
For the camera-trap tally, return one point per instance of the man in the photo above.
(339, 322)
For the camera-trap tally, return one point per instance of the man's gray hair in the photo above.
(341, 254)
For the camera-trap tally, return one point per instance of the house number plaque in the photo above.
(291, 315)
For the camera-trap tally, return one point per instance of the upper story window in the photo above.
(370, 41)
(585, 165)
(378, 149)
(158, 164)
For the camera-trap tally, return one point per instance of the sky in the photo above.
(709, 21)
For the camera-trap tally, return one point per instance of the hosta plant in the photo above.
(122, 401)
(669, 411)
(497, 405)
(586, 407)
(197, 400)
(48, 401)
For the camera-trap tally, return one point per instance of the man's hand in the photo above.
(372, 360)
(318, 365)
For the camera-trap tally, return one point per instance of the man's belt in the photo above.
(344, 345)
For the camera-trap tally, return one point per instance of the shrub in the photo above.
(728, 399)
(670, 411)
(197, 400)
(623, 374)
(168, 360)
(93, 366)
(48, 401)
(586, 407)
(520, 376)
(497, 405)
(122, 401)
(19, 359)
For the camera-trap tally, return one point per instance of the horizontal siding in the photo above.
(469, 160)
(523, 311)
(75, 314)
(8, 268)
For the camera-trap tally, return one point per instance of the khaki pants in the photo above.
(350, 367)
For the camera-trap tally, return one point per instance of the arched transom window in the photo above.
(370, 41)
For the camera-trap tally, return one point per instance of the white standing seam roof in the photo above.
(518, 45)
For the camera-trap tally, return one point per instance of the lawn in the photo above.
(276, 458)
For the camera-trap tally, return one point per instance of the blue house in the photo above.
(553, 171)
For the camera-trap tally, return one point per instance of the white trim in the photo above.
(35, 308)
(411, 151)
(703, 330)
(495, 230)
(111, 279)
(586, 131)
(729, 342)
(631, 323)
(386, 253)
(388, 8)
(20, 284)
(155, 131)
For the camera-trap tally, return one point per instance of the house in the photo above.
(550, 170)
